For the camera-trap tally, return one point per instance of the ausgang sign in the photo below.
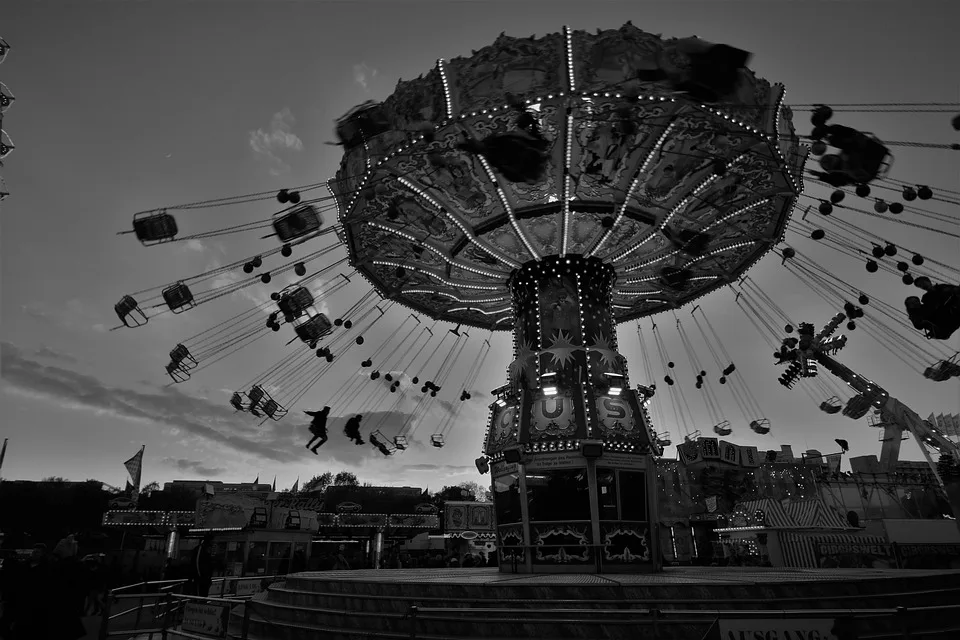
(778, 629)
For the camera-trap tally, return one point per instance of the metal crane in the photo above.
(803, 354)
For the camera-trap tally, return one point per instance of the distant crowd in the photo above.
(46, 595)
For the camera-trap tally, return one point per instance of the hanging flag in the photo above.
(134, 467)
(296, 486)
(274, 487)
(3, 452)
(257, 481)
(833, 462)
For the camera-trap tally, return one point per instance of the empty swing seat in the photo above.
(295, 224)
(154, 228)
(858, 406)
(723, 429)
(178, 297)
(313, 329)
(128, 310)
(295, 301)
(274, 410)
(400, 442)
(181, 356)
(761, 426)
(178, 373)
(256, 395)
(380, 441)
(437, 440)
(831, 405)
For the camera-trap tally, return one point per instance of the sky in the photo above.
(123, 107)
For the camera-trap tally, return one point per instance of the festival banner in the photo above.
(709, 449)
(729, 452)
(928, 556)
(134, 467)
(833, 462)
(855, 556)
(749, 457)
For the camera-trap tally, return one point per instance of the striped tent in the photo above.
(774, 514)
(798, 547)
(814, 514)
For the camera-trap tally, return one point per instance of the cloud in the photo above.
(278, 138)
(362, 74)
(193, 466)
(447, 468)
(51, 354)
(167, 406)
(193, 417)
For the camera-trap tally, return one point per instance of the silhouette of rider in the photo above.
(352, 429)
(318, 427)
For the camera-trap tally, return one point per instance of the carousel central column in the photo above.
(565, 417)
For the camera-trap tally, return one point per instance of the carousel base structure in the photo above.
(677, 603)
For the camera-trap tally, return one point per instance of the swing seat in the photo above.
(761, 426)
(314, 328)
(381, 442)
(128, 310)
(362, 123)
(182, 357)
(437, 440)
(177, 373)
(178, 297)
(294, 301)
(400, 442)
(942, 371)
(723, 429)
(298, 223)
(236, 401)
(831, 405)
(858, 406)
(274, 410)
(154, 228)
(256, 395)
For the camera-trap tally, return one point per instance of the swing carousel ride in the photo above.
(558, 187)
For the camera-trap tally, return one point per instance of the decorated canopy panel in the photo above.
(680, 197)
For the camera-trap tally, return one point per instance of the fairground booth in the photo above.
(280, 533)
(724, 504)
(469, 528)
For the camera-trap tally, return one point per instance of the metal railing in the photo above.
(897, 617)
(162, 603)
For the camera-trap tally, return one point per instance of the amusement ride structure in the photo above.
(557, 187)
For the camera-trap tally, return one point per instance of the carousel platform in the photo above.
(443, 604)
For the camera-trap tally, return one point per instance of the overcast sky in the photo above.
(129, 106)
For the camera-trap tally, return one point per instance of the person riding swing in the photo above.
(318, 427)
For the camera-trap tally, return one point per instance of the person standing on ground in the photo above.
(201, 564)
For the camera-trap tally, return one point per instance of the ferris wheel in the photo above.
(540, 180)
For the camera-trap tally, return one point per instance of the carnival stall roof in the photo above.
(814, 514)
(767, 512)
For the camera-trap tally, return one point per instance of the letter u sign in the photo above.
(555, 408)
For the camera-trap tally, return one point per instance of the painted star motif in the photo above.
(524, 359)
(604, 349)
(562, 349)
